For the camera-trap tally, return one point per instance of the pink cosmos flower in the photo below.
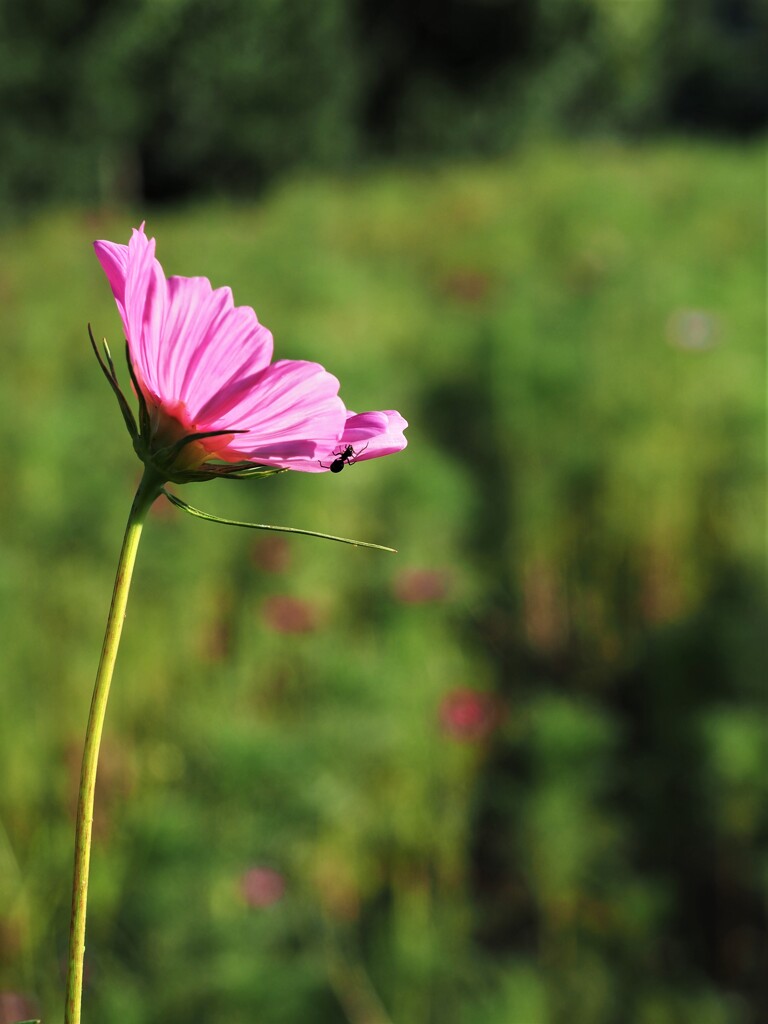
(208, 388)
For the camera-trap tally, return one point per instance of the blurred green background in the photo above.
(516, 773)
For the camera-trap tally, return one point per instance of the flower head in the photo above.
(212, 402)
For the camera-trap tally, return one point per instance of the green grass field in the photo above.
(576, 336)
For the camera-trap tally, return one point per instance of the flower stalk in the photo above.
(149, 489)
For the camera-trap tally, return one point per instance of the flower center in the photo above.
(171, 424)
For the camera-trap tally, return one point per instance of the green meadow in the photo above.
(513, 774)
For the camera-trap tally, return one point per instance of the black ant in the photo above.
(344, 456)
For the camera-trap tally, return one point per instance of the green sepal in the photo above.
(243, 470)
(218, 471)
(164, 459)
(169, 453)
(108, 369)
(199, 514)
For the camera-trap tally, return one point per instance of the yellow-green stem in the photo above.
(149, 489)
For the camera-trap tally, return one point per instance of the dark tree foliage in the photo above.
(252, 89)
(105, 100)
(715, 64)
(40, 46)
(455, 49)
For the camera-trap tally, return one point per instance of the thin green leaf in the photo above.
(174, 500)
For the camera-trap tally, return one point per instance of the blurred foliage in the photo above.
(514, 774)
(110, 101)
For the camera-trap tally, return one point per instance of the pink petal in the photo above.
(114, 262)
(187, 340)
(291, 413)
(209, 343)
(374, 433)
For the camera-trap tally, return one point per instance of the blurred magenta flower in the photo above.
(208, 388)
(468, 714)
(261, 887)
(15, 1006)
(694, 330)
(272, 554)
(420, 586)
(287, 614)
(466, 285)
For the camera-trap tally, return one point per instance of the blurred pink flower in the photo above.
(217, 641)
(694, 330)
(468, 714)
(286, 614)
(419, 586)
(205, 365)
(272, 554)
(467, 286)
(15, 1006)
(261, 887)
